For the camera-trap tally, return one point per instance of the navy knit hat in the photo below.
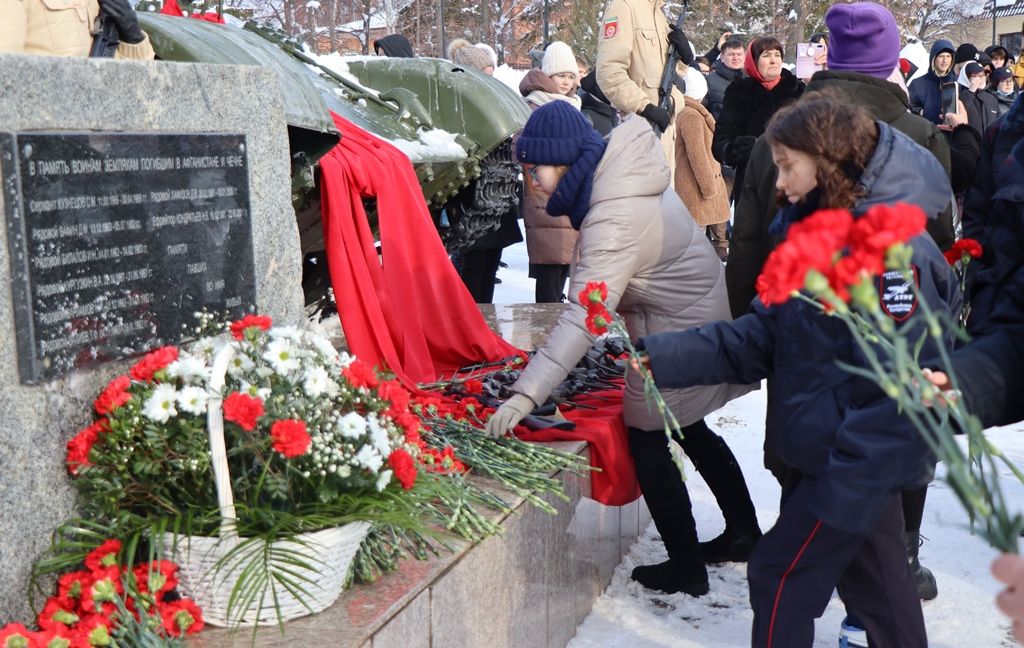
(863, 38)
(554, 134)
(558, 134)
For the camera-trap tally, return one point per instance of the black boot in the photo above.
(718, 467)
(924, 580)
(669, 503)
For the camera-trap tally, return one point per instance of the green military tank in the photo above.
(455, 124)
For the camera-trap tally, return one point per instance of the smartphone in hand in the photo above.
(806, 53)
(949, 97)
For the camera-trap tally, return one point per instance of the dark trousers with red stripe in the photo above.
(797, 564)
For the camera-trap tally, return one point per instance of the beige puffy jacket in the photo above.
(57, 27)
(631, 52)
(661, 271)
(698, 178)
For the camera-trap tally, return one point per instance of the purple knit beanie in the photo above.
(863, 37)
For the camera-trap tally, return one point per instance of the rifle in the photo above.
(104, 37)
(668, 74)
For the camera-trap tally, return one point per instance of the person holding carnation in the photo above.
(662, 274)
(840, 522)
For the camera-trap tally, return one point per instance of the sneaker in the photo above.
(850, 636)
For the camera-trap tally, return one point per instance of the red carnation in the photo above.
(93, 630)
(56, 615)
(595, 292)
(404, 466)
(238, 327)
(16, 635)
(963, 250)
(102, 556)
(156, 577)
(152, 362)
(55, 638)
(395, 393)
(81, 445)
(290, 438)
(181, 617)
(360, 374)
(113, 396)
(243, 410)
(71, 586)
(473, 386)
(598, 320)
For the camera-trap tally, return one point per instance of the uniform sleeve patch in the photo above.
(611, 27)
(897, 294)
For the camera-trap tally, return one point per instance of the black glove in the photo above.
(678, 40)
(124, 17)
(740, 148)
(657, 116)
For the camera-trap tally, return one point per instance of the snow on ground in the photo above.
(964, 614)
(627, 616)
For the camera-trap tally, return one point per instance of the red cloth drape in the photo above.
(604, 429)
(172, 8)
(411, 313)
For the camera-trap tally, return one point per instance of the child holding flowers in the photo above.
(840, 523)
(662, 274)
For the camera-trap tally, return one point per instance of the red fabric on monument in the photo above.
(605, 431)
(412, 314)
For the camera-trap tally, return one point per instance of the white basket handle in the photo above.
(218, 451)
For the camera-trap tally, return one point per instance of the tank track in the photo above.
(478, 208)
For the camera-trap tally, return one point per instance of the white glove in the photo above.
(508, 415)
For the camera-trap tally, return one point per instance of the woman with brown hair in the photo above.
(750, 102)
(840, 522)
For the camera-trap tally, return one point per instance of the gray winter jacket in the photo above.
(901, 170)
(661, 271)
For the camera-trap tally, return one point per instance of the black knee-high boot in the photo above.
(718, 467)
(913, 512)
(669, 503)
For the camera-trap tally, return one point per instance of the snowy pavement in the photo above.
(627, 616)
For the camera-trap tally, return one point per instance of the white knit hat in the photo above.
(558, 58)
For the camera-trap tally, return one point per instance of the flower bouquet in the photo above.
(861, 272)
(257, 461)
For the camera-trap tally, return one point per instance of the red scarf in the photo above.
(750, 67)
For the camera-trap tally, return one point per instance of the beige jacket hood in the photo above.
(662, 275)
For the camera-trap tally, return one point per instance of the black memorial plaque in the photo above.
(117, 239)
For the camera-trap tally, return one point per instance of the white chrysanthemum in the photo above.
(250, 389)
(345, 359)
(292, 333)
(323, 345)
(369, 458)
(240, 364)
(190, 369)
(192, 399)
(378, 436)
(160, 405)
(317, 382)
(383, 480)
(282, 356)
(352, 426)
(205, 348)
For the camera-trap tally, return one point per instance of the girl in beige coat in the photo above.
(662, 275)
(698, 177)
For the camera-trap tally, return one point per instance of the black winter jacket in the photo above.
(982, 108)
(823, 420)
(926, 91)
(751, 241)
(719, 80)
(745, 113)
(996, 144)
(991, 369)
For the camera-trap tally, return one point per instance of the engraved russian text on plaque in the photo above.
(117, 239)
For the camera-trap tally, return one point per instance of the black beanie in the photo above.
(965, 53)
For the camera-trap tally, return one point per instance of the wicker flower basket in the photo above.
(209, 571)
